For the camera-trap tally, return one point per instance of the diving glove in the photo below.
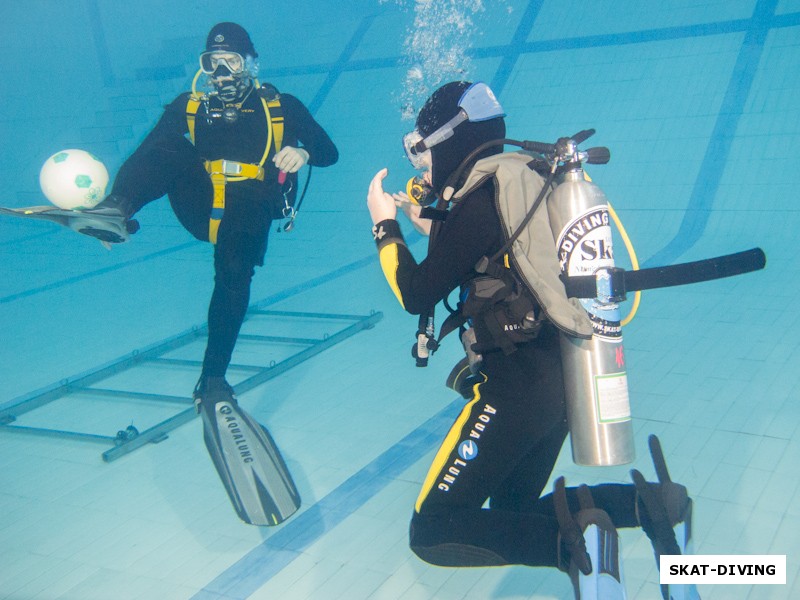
(290, 159)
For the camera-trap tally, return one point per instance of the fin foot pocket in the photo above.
(590, 542)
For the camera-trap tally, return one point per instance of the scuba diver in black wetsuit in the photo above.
(503, 446)
(226, 185)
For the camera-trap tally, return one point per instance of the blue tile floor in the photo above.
(698, 103)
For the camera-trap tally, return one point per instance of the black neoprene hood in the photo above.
(230, 37)
(449, 154)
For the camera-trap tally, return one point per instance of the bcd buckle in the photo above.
(231, 168)
(610, 282)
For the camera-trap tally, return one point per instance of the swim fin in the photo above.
(249, 464)
(589, 547)
(105, 224)
(668, 510)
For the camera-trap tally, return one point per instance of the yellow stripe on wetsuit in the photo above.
(390, 263)
(454, 436)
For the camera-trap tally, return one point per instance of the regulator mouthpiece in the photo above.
(419, 192)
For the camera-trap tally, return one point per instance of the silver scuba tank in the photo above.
(595, 380)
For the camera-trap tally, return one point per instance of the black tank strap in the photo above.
(585, 286)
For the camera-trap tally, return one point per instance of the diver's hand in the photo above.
(290, 159)
(412, 211)
(381, 205)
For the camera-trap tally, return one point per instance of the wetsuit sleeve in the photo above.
(321, 150)
(471, 231)
(392, 251)
(138, 167)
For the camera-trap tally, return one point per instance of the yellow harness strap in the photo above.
(273, 108)
(191, 112)
(222, 171)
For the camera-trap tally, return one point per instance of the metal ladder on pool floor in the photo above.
(129, 439)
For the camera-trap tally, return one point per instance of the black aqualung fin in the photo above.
(107, 225)
(249, 464)
(591, 547)
(668, 510)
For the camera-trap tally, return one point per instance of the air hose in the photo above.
(637, 297)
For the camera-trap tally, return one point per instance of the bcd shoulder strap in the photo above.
(222, 171)
(272, 110)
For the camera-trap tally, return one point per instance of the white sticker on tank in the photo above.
(611, 393)
(584, 246)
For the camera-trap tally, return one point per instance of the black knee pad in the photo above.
(431, 539)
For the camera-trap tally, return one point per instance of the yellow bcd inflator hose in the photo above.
(637, 297)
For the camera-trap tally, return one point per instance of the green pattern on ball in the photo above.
(83, 181)
(60, 157)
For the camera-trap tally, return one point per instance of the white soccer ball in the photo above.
(73, 179)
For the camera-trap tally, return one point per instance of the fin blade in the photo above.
(106, 226)
(683, 533)
(606, 581)
(659, 462)
(682, 530)
(250, 465)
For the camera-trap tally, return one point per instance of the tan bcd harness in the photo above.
(223, 171)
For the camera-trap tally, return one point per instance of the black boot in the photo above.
(572, 554)
(210, 390)
(114, 204)
(588, 534)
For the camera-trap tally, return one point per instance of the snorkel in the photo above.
(478, 103)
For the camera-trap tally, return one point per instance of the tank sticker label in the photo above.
(584, 246)
(611, 393)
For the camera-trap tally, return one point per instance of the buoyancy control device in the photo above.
(576, 215)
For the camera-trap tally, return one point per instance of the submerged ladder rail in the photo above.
(130, 439)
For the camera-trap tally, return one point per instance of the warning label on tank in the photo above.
(584, 246)
(611, 393)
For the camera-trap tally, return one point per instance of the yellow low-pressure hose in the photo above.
(194, 81)
(634, 264)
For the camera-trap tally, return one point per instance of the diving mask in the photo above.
(419, 160)
(234, 63)
(211, 61)
(477, 103)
